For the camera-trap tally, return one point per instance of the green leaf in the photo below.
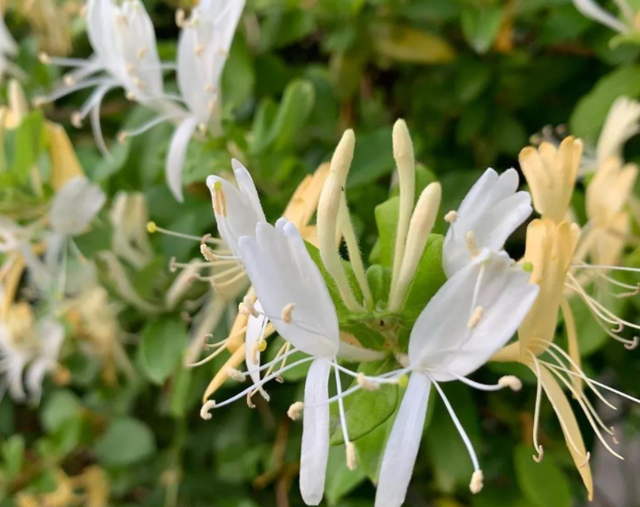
(428, 279)
(96, 240)
(262, 123)
(379, 279)
(295, 108)
(29, 142)
(59, 408)
(238, 76)
(12, 452)
(366, 410)
(589, 114)
(405, 43)
(372, 159)
(340, 480)
(387, 221)
(125, 442)
(480, 27)
(544, 484)
(161, 347)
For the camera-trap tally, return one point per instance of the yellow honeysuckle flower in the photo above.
(551, 174)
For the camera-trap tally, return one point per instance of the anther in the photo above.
(474, 320)
(247, 307)
(123, 136)
(476, 482)
(250, 404)
(632, 345)
(130, 96)
(69, 80)
(613, 435)
(199, 50)
(471, 243)
(151, 227)
(172, 265)
(351, 456)
(236, 375)
(180, 16)
(367, 384)
(451, 217)
(44, 58)
(295, 410)
(219, 201)
(76, 120)
(586, 460)
(205, 411)
(255, 353)
(403, 380)
(142, 52)
(286, 313)
(538, 458)
(210, 88)
(510, 381)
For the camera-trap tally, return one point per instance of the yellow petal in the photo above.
(304, 201)
(64, 163)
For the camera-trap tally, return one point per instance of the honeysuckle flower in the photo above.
(592, 9)
(125, 56)
(130, 216)
(28, 348)
(622, 123)
(489, 213)
(609, 221)
(296, 300)
(237, 209)
(472, 315)
(551, 173)
(414, 224)
(203, 49)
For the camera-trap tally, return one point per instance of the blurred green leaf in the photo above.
(12, 451)
(161, 346)
(125, 442)
(406, 43)
(480, 26)
(340, 480)
(29, 142)
(59, 408)
(543, 484)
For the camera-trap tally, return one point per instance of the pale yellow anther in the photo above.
(510, 381)
(365, 383)
(236, 375)
(142, 52)
(76, 120)
(180, 17)
(286, 313)
(476, 315)
(295, 411)
(247, 307)
(350, 450)
(476, 482)
(219, 200)
(472, 246)
(123, 136)
(68, 80)
(199, 50)
(44, 58)
(451, 216)
(130, 96)
(538, 457)
(207, 253)
(205, 411)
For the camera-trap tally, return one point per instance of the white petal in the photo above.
(315, 432)
(282, 272)
(255, 329)
(247, 187)
(592, 10)
(177, 153)
(441, 339)
(402, 447)
(75, 206)
(492, 210)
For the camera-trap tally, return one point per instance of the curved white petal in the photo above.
(592, 10)
(283, 274)
(444, 341)
(315, 432)
(492, 210)
(237, 209)
(402, 447)
(75, 206)
(177, 153)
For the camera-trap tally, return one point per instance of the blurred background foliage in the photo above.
(474, 79)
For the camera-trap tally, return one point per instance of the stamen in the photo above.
(474, 320)
(180, 17)
(510, 381)
(247, 307)
(152, 228)
(471, 244)
(367, 384)
(295, 411)
(236, 375)
(351, 456)
(536, 412)
(451, 216)
(476, 482)
(286, 313)
(205, 411)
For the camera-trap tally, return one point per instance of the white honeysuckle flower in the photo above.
(130, 215)
(295, 298)
(622, 123)
(203, 48)
(593, 10)
(444, 347)
(489, 213)
(237, 209)
(125, 56)
(75, 206)
(28, 350)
